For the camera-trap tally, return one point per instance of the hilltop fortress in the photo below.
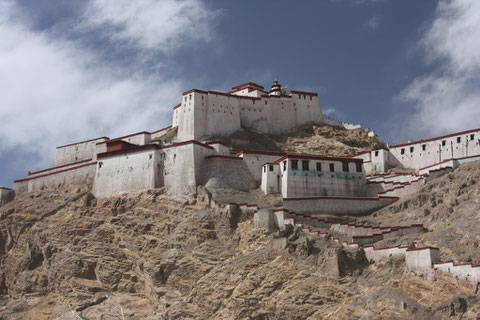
(187, 154)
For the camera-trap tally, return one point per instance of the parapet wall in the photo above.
(79, 175)
(231, 171)
(6, 195)
(76, 152)
(354, 206)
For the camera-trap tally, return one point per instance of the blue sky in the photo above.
(75, 70)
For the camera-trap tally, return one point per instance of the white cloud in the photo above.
(55, 91)
(373, 23)
(151, 24)
(448, 99)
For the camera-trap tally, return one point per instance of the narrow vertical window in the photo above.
(345, 166)
(294, 164)
(359, 166)
(305, 165)
(332, 167)
(319, 166)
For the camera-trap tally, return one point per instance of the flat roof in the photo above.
(436, 138)
(315, 157)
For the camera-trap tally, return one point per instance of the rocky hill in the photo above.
(312, 139)
(66, 255)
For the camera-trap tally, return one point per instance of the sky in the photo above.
(76, 70)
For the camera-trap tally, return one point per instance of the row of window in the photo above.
(318, 166)
(424, 146)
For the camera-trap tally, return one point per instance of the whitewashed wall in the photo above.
(421, 259)
(231, 171)
(301, 183)
(255, 161)
(82, 174)
(336, 205)
(425, 153)
(76, 152)
(6, 195)
(203, 114)
(126, 172)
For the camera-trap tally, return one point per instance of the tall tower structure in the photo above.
(276, 89)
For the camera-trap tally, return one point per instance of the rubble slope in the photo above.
(66, 255)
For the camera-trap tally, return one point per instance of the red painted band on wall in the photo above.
(56, 172)
(217, 156)
(437, 138)
(57, 167)
(339, 198)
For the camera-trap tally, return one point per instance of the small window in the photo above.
(190, 97)
(376, 153)
(424, 147)
(345, 166)
(411, 149)
(265, 102)
(270, 168)
(444, 143)
(332, 167)
(294, 164)
(402, 151)
(358, 165)
(100, 164)
(264, 168)
(305, 165)
(284, 165)
(459, 139)
(472, 136)
(319, 166)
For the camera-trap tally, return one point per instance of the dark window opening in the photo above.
(424, 147)
(472, 136)
(411, 149)
(294, 164)
(345, 166)
(332, 167)
(319, 166)
(270, 168)
(265, 169)
(359, 166)
(402, 151)
(284, 165)
(305, 165)
(444, 143)
(459, 139)
(376, 153)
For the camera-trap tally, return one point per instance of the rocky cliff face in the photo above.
(66, 255)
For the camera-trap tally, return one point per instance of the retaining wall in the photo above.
(337, 205)
(78, 175)
(6, 195)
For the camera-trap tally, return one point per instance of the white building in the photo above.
(309, 175)
(204, 114)
(425, 155)
(143, 160)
